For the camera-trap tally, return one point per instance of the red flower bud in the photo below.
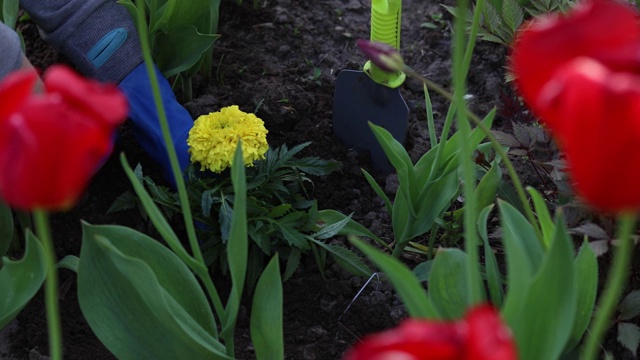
(481, 335)
(52, 143)
(384, 56)
(580, 73)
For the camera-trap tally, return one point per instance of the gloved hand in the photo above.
(146, 125)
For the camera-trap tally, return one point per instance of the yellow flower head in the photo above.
(212, 140)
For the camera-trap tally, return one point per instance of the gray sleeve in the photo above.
(99, 36)
(11, 58)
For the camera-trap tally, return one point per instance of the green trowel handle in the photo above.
(385, 28)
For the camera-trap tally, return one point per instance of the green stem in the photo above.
(166, 134)
(201, 269)
(614, 285)
(43, 231)
(468, 176)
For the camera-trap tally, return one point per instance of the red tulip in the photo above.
(481, 335)
(580, 73)
(52, 143)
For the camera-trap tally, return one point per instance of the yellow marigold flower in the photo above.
(213, 138)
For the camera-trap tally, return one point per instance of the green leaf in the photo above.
(292, 263)
(238, 244)
(398, 157)
(6, 228)
(266, 314)
(329, 230)
(69, 262)
(406, 284)
(378, 190)
(550, 303)
(125, 201)
(159, 222)
(352, 227)
(585, 269)
(485, 192)
(422, 270)
(494, 277)
(10, 12)
(279, 211)
(346, 259)
(512, 15)
(437, 199)
(140, 300)
(516, 234)
(448, 285)
(21, 279)
(629, 336)
(180, 49)
(630, 306)
(544, 218)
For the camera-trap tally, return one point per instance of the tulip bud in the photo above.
(382, 55)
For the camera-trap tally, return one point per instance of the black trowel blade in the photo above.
(357, 100)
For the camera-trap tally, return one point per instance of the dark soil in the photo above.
(282, 60)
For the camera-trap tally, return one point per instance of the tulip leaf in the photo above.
(585, 269)
(544, 218)
(400, 219)
(141, 300)
(553, 294)
(155, 214)
(6, 228)
(448, 283)
(69, 262)
(494, 278)
(378, 190)
(180, 49)
(437, 199)
(266, 314)
(399, 158)
(21, 279)
(10, 10)
(516, 232)
(485, 192)
(238, 244)
(403, 280)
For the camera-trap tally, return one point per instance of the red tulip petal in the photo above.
(14, 90)
(488, 337)
(595, 28)
(599, 115)
(411, 340)
(104, 102)
(52, 143)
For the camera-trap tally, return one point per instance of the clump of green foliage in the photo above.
(282, 216)
(500, 19)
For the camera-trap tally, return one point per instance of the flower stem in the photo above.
(43, 231)
(614, 285)
(166, 134)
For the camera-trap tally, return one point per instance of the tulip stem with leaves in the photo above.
(615, 284)
(43, 230)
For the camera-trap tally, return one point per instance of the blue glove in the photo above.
(146, 125)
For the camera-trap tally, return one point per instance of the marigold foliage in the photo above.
(213, 138)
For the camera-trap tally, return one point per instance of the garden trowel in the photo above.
(372, 95)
